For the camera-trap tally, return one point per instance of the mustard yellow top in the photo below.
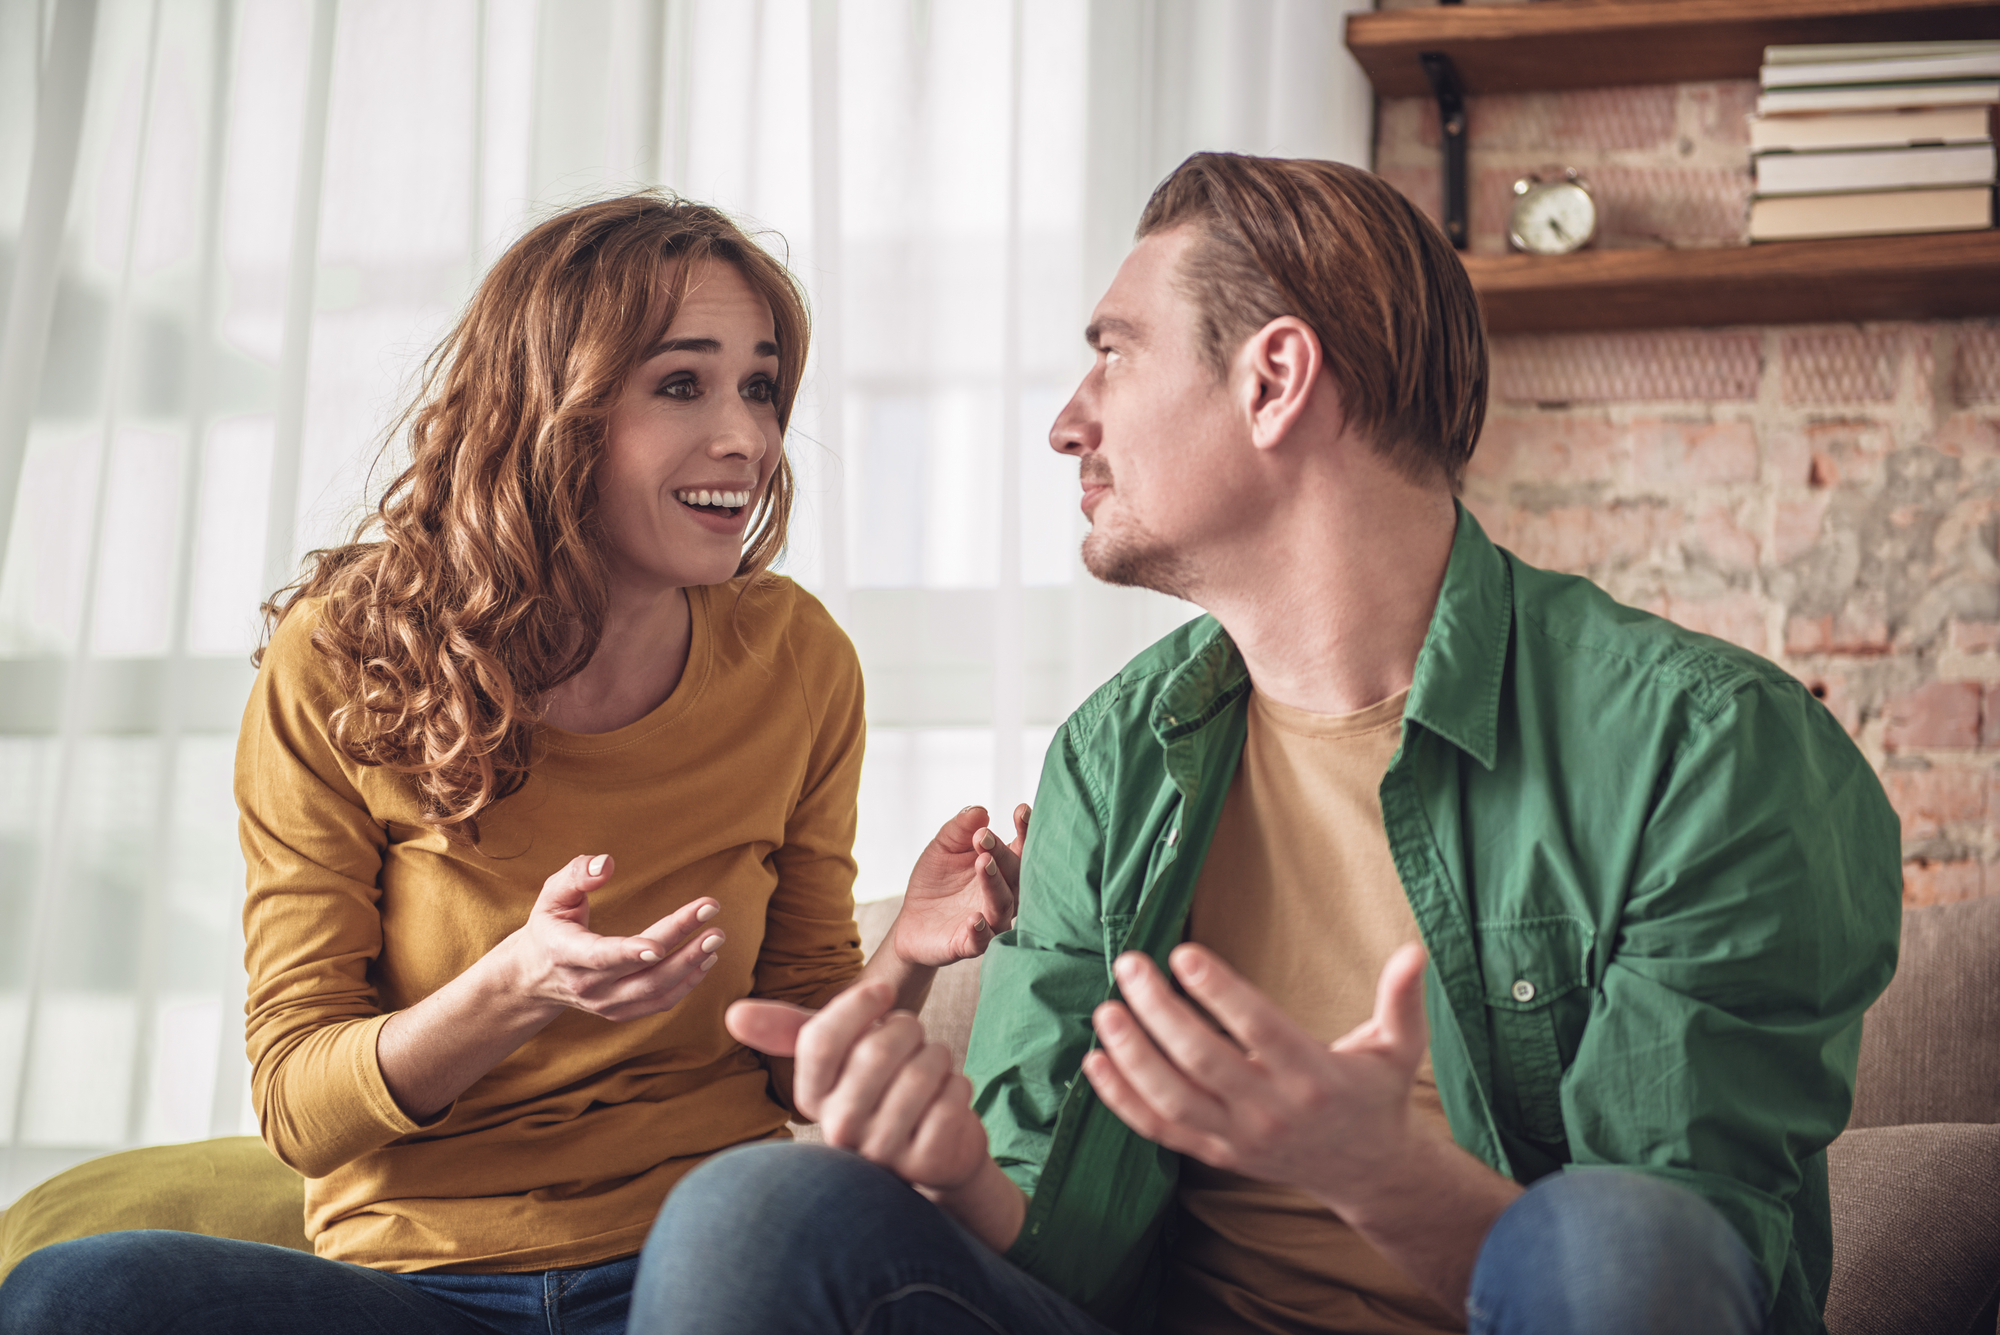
(741, 785)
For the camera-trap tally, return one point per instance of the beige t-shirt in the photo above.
(1300, 894)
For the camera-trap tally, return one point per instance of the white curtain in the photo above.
(229, 229)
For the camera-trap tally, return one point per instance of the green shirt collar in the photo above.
(1456, 690)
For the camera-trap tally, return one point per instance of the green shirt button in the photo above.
(1523, 990)
(1173, 836)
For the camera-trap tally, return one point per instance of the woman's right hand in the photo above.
(557, 958)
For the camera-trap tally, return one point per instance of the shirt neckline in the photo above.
(694, 680)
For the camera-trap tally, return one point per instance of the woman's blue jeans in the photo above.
(799, 1238)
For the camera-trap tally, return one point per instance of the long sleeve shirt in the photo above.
(1658, 884)
(741, 786)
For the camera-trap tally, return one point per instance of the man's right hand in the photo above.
(875, 1084)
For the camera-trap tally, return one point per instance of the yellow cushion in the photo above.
(227, 1188)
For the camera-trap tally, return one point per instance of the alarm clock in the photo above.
(1553, 213)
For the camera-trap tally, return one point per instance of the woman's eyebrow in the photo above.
(707, 345)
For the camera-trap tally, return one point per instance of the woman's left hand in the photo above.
(962, 891)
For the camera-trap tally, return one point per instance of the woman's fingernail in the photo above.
(650, 956)
(963, 810)
(709, 963)
(707, 911)
(595, 867)
(712, 944)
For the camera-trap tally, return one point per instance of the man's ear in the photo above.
(1281, 364)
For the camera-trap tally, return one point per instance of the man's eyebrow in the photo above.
(1123, 331)
(765, 348)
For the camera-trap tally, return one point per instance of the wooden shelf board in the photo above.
(1597, 43)
(1941, 276)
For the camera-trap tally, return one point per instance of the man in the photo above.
(1656, 883)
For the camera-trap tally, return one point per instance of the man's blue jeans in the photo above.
(777, 1239)
(784, 1238)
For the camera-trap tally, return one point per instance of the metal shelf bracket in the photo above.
(1450, 96)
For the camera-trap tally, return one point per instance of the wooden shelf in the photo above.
(1943, 276)
(1598, 43)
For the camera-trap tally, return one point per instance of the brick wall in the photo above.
(1826, 495)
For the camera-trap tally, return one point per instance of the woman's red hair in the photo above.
(477, 583)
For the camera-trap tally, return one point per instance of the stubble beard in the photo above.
(1137, 560)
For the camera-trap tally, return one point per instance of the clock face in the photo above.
(1552, 218)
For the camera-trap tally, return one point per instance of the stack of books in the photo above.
(1869, 139)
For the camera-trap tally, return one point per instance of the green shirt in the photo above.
(1658, 883)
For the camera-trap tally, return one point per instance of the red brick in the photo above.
(1975, 637)
(1929, 800)
(1691, 454)
(1545, 124)
(1582, 538)
(1846, 633)
(1928, 882)
(1941, 714)
(1989, 724)
(1542, 447)
(1976, 373)
(1736, 617)
(1840, 365)
(1696, 365)
(1680, 206)
(1722, 110)
(1966, 436)
(1797, 527)
(1718, 533)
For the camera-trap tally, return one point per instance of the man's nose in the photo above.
(1076, 430)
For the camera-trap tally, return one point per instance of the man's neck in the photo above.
(1329, 604)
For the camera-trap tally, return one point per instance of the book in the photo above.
(1874, 169)
(1828, 51)
(1875, 213)
(1878, 97)
(1871, 129)
(1967, 65)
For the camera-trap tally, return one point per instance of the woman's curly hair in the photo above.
(477, 584)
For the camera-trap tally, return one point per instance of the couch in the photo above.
(1915, 1179)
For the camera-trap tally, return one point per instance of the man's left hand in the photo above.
(1274, 1104)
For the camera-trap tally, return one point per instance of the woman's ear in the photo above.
(1282, 377)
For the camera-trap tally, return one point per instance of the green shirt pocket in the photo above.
(1536, 980)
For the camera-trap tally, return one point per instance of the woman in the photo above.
(536, 779)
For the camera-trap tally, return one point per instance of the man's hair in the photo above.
(1376, 281)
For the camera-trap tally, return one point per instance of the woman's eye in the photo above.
(760, 391)
(680, 388)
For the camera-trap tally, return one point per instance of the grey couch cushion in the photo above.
(1916, 1229)
(1930, 1048)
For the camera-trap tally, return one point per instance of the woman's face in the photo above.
(693, 440)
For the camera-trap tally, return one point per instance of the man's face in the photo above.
(1164, 463)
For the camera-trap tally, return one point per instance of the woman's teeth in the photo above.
(727, 500)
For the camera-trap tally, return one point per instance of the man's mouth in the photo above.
(726, 503)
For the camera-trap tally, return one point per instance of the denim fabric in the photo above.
(789, 1239)
(799, 1239)
(153, 1282)
(1596, 1250)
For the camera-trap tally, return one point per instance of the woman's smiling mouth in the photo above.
(713, 502)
